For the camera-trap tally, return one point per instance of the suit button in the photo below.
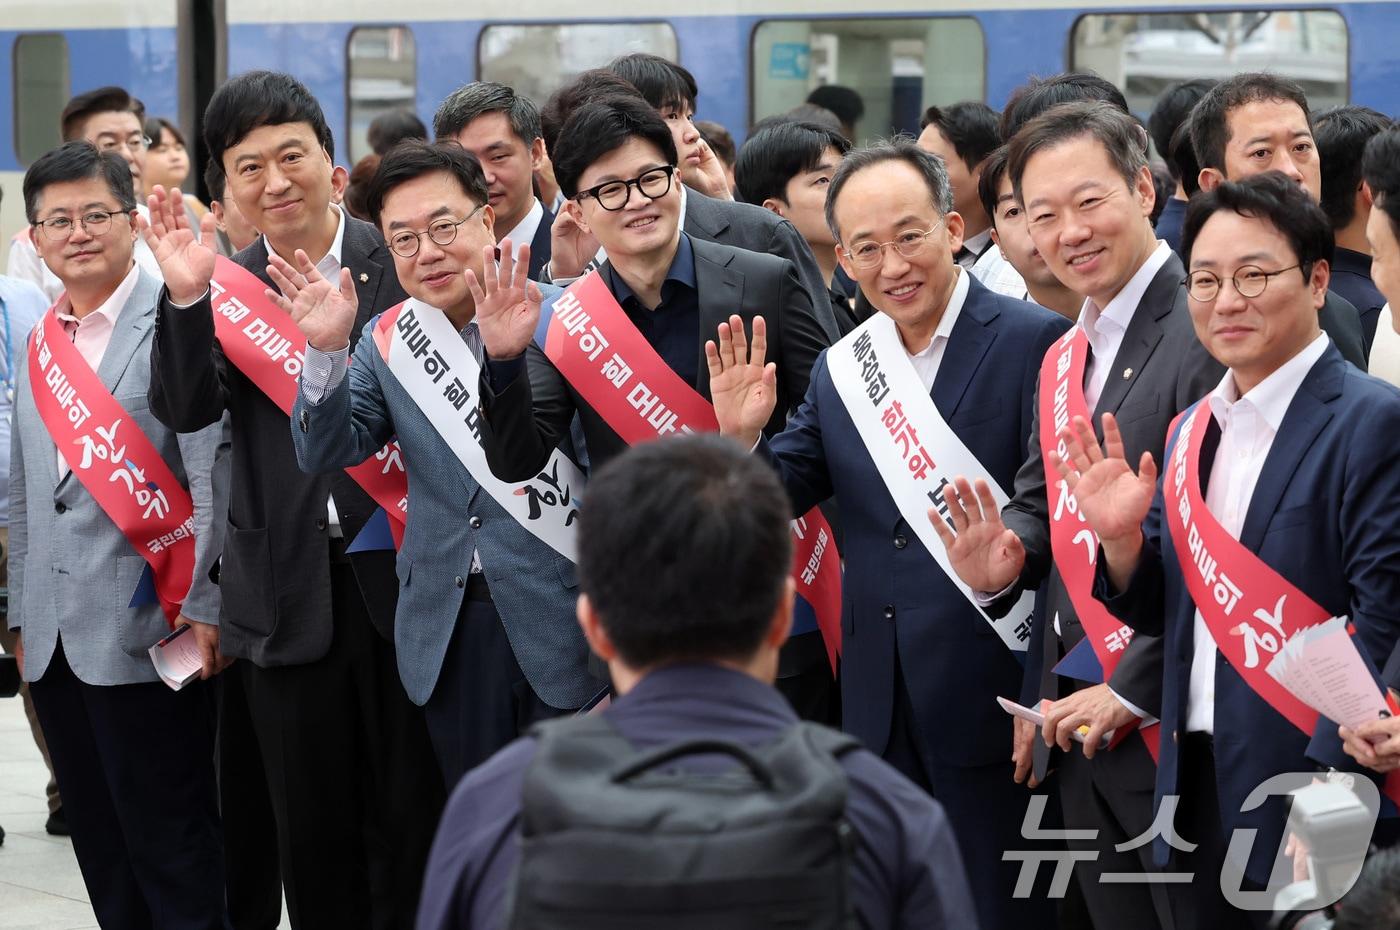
(474, 523)
(320, 523)
(459, 582)
(304, 421)
(889, 611)
(60, 507)
(900, 542)
(1176, 736)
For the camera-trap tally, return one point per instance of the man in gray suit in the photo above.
(485, 631)
(134, 758)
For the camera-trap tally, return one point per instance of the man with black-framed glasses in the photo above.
(668, 290)
(485, 631)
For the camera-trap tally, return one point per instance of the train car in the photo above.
(752, 59)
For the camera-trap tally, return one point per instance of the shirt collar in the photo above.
(682, 271)
(675, 179)
(978, 244)
(524, 231)
(950, 313)
(1119, 312)
(1351, 260)
(1270, 397)
(336, 244)
(110, 308)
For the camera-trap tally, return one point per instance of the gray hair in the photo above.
(901, 148)
(469, 101)
(1119, 134)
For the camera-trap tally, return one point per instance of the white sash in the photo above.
(899, 425)
(438, 370)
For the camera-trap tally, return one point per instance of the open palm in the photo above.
(984, 553)
(186, 260)
(743, 386)
(507, 302)
(323, 310)
(1113, 498)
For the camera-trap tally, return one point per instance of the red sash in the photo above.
(1073, 545)
(115, 461)
(607, 360)
(262, 342)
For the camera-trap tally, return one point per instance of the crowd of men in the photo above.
(1034, 421)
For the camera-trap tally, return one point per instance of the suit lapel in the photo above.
(700, 220)
(1307, 415)
(967, 346)
(1140, 340)
(541, 245)
(360, 253)
(720, 290)
(136, 318)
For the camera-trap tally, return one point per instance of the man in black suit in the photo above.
(676, 289)
(502, 129)
(1255, 122)
(348, 765)
(1080, 170)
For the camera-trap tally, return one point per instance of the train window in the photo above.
(382, 75)
(41, 89)
(538, 59)
(898, 66)
(1144, 53)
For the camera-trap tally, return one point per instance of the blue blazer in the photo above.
(534, 588)
(897, 603)
(1323, 516)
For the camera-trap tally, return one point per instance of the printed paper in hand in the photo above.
(1037, 717)
(1322, 668)
(176, 658)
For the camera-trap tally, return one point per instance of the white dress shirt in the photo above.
(1106, 327)
(997, 274)
(93, 333)
(927, 360)
(973, 248)
(1248, 426)
(524, 231)
(1384, 362)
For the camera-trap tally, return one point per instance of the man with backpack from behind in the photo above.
(698, 799)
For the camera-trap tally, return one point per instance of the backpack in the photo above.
(614, 838)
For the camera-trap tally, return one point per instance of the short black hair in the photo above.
(1122, 137)
(261, 98)
(775, 155)
(1209, 121)
(845, 102)
(101, 100)
(1170, 112)
(414, 158)
(971, 127)
(989, 181)
(592, 84)
(78, 160)
(389, 129)
(903, 149)
(604, 126)
(1374, 901)
(684, 550)
(1040, 94)
(215, 181)
(155, 125)
(1182, 156)
(1269, 196)
(718, 139)
(661, 82)
(478, 98)
(356, 199)
(1341, 134)
(1381, 168)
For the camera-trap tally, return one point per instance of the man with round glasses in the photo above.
(485, 632)
(1284, 474)
(938, 382)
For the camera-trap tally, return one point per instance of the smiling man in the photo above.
(339, 739)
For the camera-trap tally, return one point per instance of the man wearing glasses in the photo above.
(944, 372)
(485, 631)
(110, 119)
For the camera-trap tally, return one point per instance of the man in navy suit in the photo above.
(1296, 464)
(916, 649)
(502, 129)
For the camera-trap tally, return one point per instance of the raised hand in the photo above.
(571, 247)
(186, 260)
(1113, 499)
(985, 554)
(507, 303)
(743, 387)
(323, 311)
(708, 176)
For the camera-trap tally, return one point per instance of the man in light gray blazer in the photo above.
(485, 632)
(134, 758)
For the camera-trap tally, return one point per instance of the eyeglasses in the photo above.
(867, 254)
(1249, 281)
(613, 195)
(95, 223)
(442, 232)
(137, 144)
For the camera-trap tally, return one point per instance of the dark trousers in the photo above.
(1112, 794)
(986, 809)
(481, 700)
(135, 765)
(350, 774)
(805, 679)
(253, 876)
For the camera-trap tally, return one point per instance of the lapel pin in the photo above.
(1127, 373)
(364, 278)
